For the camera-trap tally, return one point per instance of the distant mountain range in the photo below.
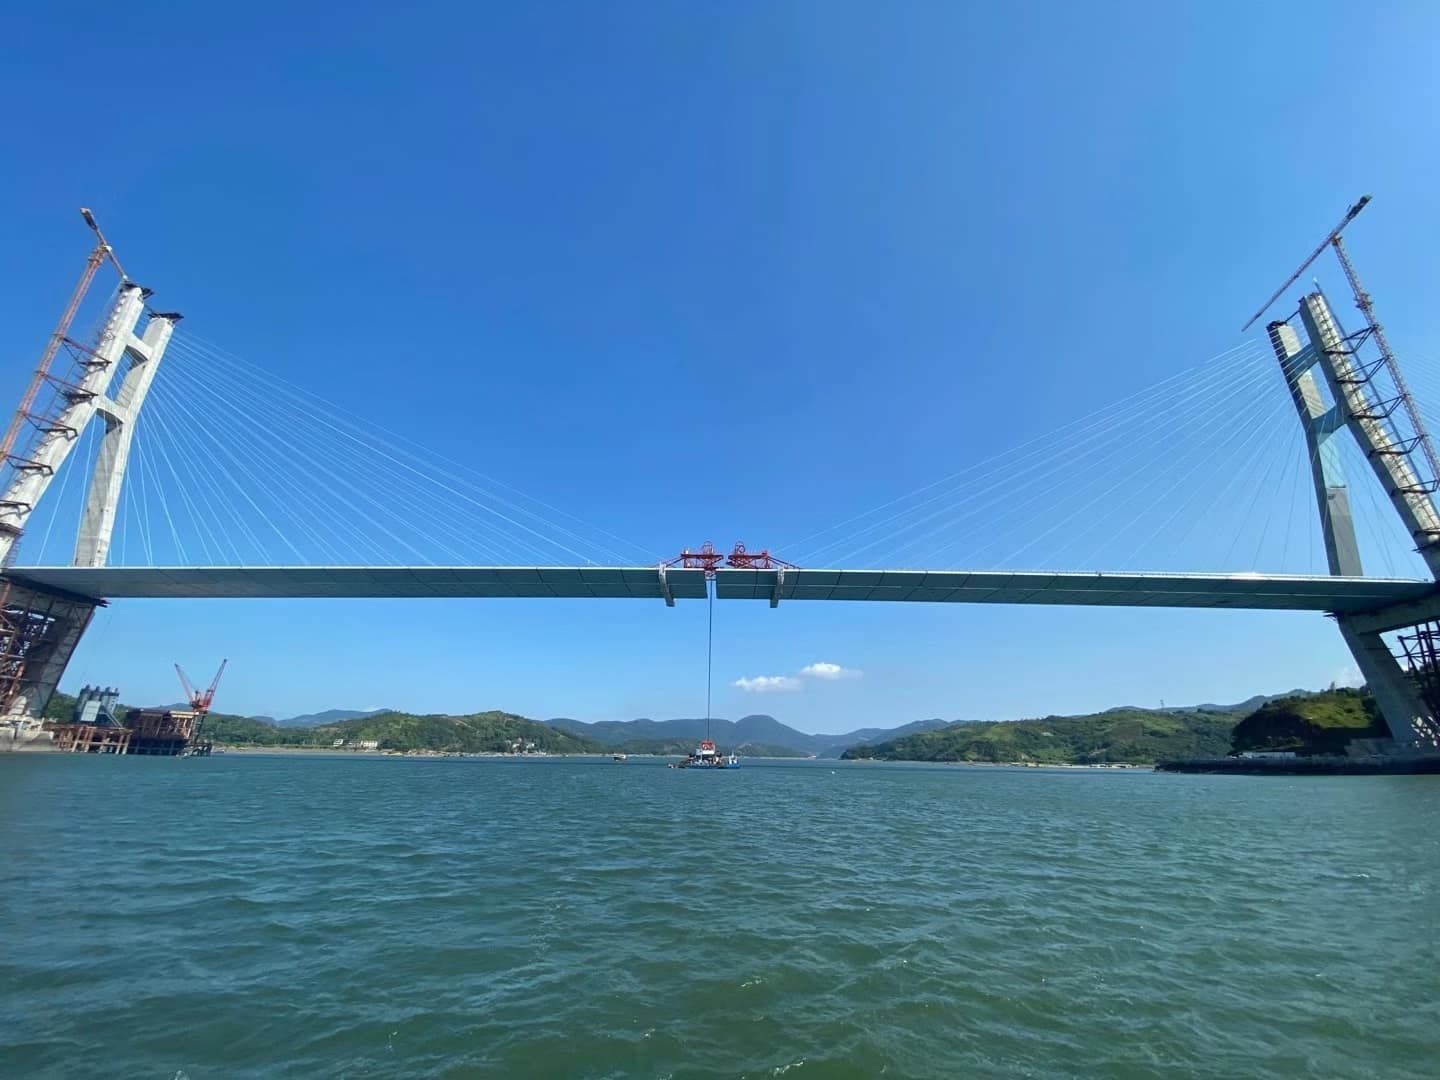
(320, 719)
(749, 732)
(757, 734)
(757, 729)
(1302, 721)
(1300, 718)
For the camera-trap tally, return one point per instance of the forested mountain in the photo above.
(1117, 735)
(1312, 724)
(1301, 721)
(747, 735)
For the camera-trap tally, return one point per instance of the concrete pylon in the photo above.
(1368, 419)
(1356, 408)
(39, 629)
(102, 504)
(1321, 423)
(79, 401)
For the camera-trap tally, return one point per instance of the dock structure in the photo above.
(167, 733)
(96, 729)
(90, 738)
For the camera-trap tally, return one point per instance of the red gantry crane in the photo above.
(709, 560)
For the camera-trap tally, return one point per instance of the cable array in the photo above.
(1206, 470)
(233, 465)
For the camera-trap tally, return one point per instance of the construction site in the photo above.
(106, 377)
(1346, 389)
(98, 727)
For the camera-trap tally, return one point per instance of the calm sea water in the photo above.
(273, 916)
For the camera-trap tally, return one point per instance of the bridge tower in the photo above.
(109, 379)
(1353, 403)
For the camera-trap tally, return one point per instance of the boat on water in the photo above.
(622, 757)
(706, 756)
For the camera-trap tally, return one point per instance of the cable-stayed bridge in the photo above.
(1272, 592)
(122, 485)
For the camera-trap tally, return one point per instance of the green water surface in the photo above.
(251, 916)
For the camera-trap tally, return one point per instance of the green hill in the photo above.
(1314, 724)
(476, 733)
(1308, 723)
(1304, 722)
(681, 747)
(248, 731)
(1117, 735)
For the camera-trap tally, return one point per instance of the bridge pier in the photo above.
(1357, 406)
(1412, 724)
(39, 630)
(40, 627)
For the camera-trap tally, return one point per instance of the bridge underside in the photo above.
(1230, 591)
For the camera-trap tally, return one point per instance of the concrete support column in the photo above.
(102, 504)
(1320, 422)
(1356, 408)
(1410, 722)
(39, 631)
(48, 663)
(1368, 422)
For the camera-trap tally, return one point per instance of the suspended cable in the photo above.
(1056, 474)
(1110, 490)
(333, 416)
(384, 458)
(709, 649)
(1055, 471)
(1043, 444)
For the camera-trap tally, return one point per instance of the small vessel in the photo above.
(622, 757)
(706, 756)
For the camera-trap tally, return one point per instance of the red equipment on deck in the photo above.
(708, 559)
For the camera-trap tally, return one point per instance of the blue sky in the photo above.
(718, 272)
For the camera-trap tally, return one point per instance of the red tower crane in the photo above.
(200, 699)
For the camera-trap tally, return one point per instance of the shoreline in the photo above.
(326, 751)
(320, 751)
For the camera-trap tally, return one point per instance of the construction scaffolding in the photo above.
(94, 728)
(90, 738)
(167, 733)
(1421, 649)
(38, 632)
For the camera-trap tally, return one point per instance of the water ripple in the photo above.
(262, 916)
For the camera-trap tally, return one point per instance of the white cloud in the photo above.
(1349, 676)
(822, 670)
(768, 684)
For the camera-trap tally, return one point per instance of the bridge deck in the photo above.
(1254, 591)
(234, 582)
